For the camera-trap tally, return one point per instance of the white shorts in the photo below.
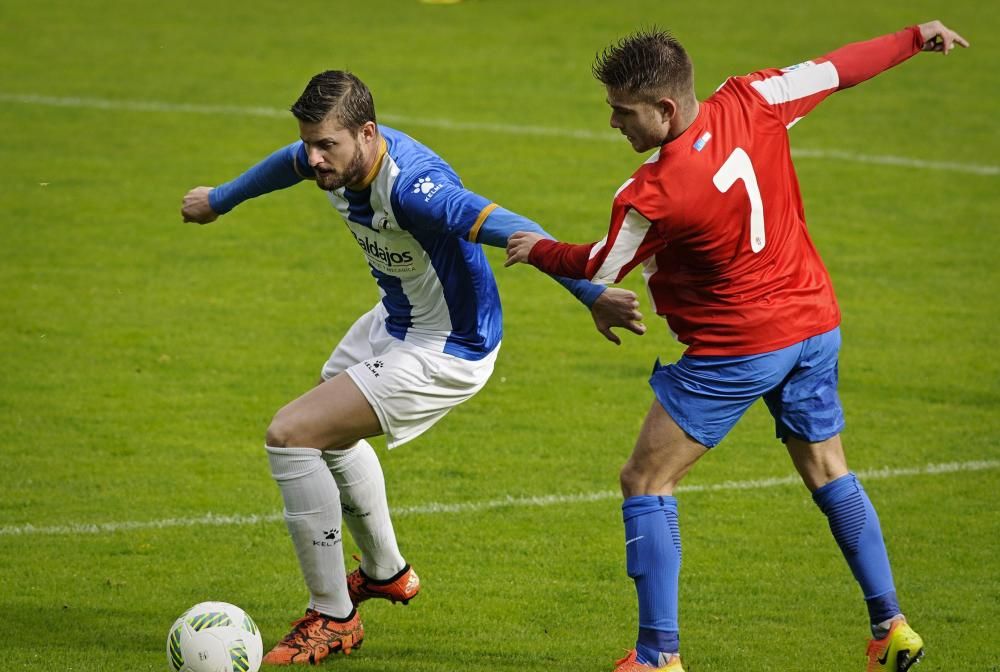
(409, 387)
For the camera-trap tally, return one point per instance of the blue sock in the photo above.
(855, 526)
(653, 558)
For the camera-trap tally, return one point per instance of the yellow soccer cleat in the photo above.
(629, 664)
(898, 651)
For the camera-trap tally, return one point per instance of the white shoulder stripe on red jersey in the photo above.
(627, 182)
(599, 245)
(798, 83)
(630, 236)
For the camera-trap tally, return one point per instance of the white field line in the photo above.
(434, 508)
(448, 124)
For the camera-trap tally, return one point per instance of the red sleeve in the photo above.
(555, 258)
(631, 240)
(863, 60)
(794, 91)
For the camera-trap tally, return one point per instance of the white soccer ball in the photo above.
(214, 637)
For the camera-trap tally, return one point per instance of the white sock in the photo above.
(312, 514)
(366, 508)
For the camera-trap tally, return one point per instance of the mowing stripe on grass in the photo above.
(433, 508)
(448, 124)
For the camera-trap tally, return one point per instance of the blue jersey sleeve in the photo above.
(282, 169)
(498, 226)
(435, 200)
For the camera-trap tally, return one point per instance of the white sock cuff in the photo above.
(340, 461)
(288, 464)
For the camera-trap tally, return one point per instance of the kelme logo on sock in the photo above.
(329, 538)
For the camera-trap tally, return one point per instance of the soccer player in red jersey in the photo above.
(715, 217)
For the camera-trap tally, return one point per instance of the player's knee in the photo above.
(631, 480)
(637, 478)
(283, 431)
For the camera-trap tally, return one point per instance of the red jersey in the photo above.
(716, 218)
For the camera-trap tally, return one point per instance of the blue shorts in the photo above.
(707, 395)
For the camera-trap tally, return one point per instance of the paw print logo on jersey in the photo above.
(423, 186)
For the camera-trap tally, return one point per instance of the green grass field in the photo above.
(141, 359)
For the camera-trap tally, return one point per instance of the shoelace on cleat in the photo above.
(298, 635)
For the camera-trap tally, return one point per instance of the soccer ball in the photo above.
(214, 637)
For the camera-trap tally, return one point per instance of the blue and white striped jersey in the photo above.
(412, 222)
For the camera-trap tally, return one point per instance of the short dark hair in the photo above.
(648, 63)
(336, 92)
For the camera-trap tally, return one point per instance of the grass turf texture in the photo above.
(142, 358)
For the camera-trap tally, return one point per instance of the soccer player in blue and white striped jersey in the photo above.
(428, 344)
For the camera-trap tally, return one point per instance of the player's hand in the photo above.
(519, 247)
(617, 308)
(939, 37)
(196, 207)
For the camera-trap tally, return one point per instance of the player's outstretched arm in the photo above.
(861, 61)
(939, 37)
(282, 169)
(794, 92)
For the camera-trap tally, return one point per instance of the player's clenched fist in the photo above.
(197, 208)
(519, 247)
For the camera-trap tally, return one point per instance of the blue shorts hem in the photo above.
(683, 423)
(788, 433)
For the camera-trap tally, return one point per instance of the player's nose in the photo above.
(315, 157)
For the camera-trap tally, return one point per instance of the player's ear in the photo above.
(368, 131)
(667, 108)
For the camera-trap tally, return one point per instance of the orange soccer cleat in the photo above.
(403, 587)
(314, 637)
(629, 664)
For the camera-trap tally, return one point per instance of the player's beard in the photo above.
(353, 174)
